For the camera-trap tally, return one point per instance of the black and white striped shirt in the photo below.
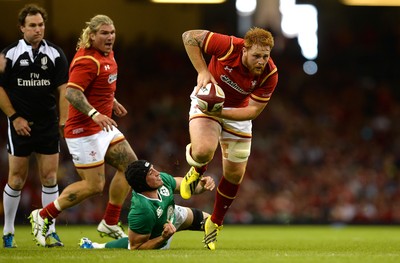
(31, 78)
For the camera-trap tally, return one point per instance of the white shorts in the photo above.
(89, 151)
(181, 214)
(230, 129)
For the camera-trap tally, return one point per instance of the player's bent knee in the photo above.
(190, 159)
(95, 188)
(197, 220)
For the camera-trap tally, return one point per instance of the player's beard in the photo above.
(256, 70)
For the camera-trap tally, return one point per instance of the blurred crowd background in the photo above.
(325, 150)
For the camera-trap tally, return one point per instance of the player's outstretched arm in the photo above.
(206, 183)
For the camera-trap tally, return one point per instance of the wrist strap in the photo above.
(93, 113)
(13, 117)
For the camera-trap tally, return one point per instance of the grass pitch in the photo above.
(246, 243)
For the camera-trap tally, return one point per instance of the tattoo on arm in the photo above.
(78, 100)
(194, 37)
(72, 197)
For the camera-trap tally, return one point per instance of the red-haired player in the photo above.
(248, 76)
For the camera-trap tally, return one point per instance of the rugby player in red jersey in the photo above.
(243, 68)
(92, 136)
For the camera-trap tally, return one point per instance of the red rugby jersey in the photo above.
(95, 74)
(234, 78)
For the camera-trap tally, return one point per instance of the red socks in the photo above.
(50, 211)
(201, 170)
(226, 193)
(112, 213)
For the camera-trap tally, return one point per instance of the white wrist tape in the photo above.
(93, 113)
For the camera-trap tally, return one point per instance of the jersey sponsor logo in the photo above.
(24, 62)
(107, 67)
(234, 85)
(33, 82)
(112, 78)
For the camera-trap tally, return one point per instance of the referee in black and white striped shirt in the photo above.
(35, 71)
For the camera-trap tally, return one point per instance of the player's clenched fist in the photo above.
(169, 230)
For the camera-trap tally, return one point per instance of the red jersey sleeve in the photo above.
(82, 72)
(220, 46)
(228, 70)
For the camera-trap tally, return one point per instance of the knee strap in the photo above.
(237, 151)
(190, 160)
(197, 223)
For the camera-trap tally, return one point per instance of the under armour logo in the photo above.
(107, 67)
(228, 69)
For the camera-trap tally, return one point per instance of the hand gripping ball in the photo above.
(211, 97)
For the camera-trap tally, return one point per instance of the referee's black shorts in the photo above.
(44, 139)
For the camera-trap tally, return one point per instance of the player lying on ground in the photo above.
(153, 217)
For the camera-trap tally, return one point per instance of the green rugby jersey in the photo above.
(149, 215)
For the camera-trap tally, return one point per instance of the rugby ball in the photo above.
(211, 98)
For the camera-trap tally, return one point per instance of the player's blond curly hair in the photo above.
(92, 27)
(258, 36)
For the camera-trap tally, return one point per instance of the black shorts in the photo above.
(44, 139)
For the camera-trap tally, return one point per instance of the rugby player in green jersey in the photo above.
(153, 217)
